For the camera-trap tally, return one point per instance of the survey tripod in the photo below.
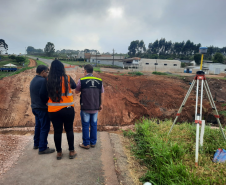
(199, 78)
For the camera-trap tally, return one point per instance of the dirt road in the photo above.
(32, 63)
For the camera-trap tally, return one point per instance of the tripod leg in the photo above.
(197, 99)
(207, 92)
(197, 119)
(203, 122)
(202, 133)
(197, 143)
(182, 105)
(215, 111)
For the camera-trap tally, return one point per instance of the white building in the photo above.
(131, 62)
(81, 54)
(107, 60)
(214, 68)
(160, 65)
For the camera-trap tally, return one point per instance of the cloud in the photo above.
(105, 25)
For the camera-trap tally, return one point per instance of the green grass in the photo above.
(97, 69)
(40, 63)
(78, 63)
(223, 112)
(171, 160)
(223, 105)
(159, 73)
(137, 73)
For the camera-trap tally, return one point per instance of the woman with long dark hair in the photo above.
(58, 90)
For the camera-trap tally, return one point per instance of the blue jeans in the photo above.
(89, 120)
(42, 127)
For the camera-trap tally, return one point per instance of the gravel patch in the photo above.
(11, 147)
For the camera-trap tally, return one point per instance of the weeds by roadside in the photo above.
(170, 160)
(137, 73)
(96, 69)
(223, 112)
(159, 73)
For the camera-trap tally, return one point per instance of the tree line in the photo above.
(49, 50)
(178, 50)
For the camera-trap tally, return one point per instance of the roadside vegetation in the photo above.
(96, 69)
(171, 160)
(135, 73)
(223, 112)
(20, 67)
(159, 73)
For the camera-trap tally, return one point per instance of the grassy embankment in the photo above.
(21, 68)
(171, 160)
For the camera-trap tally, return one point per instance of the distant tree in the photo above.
(133, 48)
(155, 47)
(30, 50)
(197, 58)
(38, 51)
(49, 49)
(12, 57)
(3, 45)
(86, 50)
(218, 58)
(141, 46)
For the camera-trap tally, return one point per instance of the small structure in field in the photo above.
(160, 65)
(214, 68)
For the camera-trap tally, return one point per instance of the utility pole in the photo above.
(113, 57)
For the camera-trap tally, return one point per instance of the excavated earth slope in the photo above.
(127, 99)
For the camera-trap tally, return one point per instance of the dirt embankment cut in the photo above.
(127, 99)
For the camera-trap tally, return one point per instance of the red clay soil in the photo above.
(127, 99)
(32, 63)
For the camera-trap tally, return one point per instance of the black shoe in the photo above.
(35, 147)
(47, 151)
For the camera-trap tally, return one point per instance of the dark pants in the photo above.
(64, 117)
(89, 120)
(42, 126)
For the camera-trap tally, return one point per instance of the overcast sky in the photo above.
(108, 24)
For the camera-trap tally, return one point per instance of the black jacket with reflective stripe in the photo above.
(90, 98)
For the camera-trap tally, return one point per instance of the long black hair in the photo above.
(54, 82)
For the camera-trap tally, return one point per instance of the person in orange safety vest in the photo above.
(58, 91)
